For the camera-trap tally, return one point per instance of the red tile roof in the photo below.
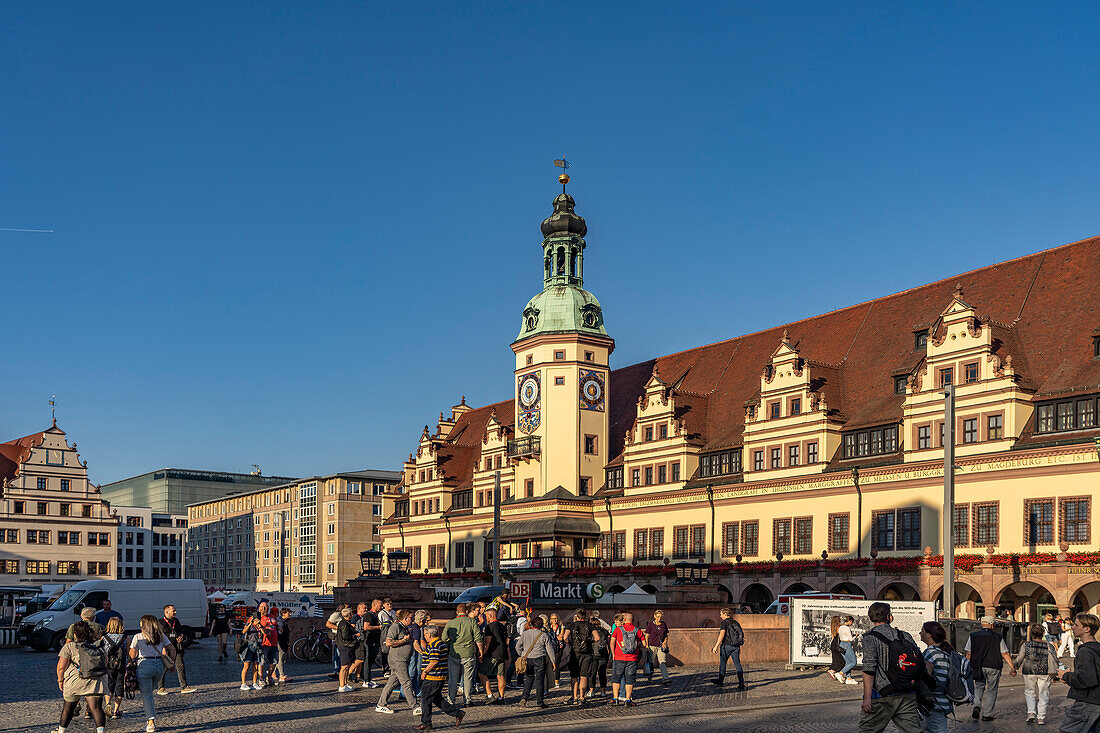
(1043, 308)
(15, 452)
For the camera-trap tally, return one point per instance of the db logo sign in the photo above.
(519, 590)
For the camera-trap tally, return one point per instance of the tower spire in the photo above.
(564, 177)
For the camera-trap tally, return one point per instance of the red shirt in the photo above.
(271, 630)
(617, 643)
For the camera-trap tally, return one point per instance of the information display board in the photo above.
(811, 625)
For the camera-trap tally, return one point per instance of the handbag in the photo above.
(521, 663)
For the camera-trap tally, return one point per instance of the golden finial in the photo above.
(564, 177)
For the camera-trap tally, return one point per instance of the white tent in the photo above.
(216, 597)
(632, 596)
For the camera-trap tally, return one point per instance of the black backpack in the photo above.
(116, 654)
(580, 638)
(904, 663)
(602, 649)
(1035, 658)
(91, 660)
(735, 635)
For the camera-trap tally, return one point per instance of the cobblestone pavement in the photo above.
(777, 702)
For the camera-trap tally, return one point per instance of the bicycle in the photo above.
(315, 647)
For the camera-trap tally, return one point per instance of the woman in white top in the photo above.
(848, 648)
(1067, 639)
(150, 650)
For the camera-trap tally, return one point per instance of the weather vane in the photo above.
(53, 408)
(564, 177)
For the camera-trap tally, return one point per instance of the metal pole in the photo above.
(496, 528)
(282, 552)
(949, 501)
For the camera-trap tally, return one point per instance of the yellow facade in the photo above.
(819, 438)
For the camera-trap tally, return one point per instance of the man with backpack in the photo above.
(171, 627)
(988, 654)
(1083, 716)
(581, 638)
(892, 666)
(728, 647)
(628, 643)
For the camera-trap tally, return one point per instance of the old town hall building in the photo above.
(808, 455)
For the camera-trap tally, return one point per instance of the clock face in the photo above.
(592, 390)
(529, 392)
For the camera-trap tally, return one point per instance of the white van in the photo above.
(132, 598)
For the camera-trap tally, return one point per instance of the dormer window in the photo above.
(899, 384)
(1096, 347)
(921, 340)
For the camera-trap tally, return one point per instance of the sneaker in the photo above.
(831, 673)
(422, 727)
(371, 685)
(187, 690)
(162, 691)
(850, 681)
(417, 710)
(345, 688)
(1040, 721)
(150, 727)
(460, 716)
(262, 685)
(976, 712)
(246, 687)
(629, 703)
(257, 685)
(742, 688)
(383, 709)
(1030, 719)
(591, 694)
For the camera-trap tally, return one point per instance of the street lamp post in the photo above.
(949, 500)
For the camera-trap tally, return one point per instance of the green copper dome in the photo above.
(562, 309)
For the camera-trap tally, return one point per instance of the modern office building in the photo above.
(172, 490)
(305, 535)
(54, 525)
(149, 544)
(807, 455)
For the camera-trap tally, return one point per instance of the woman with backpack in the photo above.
(1037, 663)
(937, 655)
(151, 650)
(248, 650)
(114, 644)
(82, 673)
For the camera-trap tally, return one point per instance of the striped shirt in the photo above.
(941, 670)
(436, 652)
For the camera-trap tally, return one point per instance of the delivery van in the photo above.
(132, 598)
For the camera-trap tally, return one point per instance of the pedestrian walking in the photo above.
(269, 644)
(87, 615)
(494, 656)
(937, 657)
(106, 613)
(151, 652)
(601, 652)
(398, 641)
(462, 637)
(386, 617)
(248, 651)
(580, 638)
(535, 652)
(557, 631)
(358, 618)
(114, 644)
(847, 641)
(656, 636)
(1037, 663)
(728, 648)
(1083, 715)
(837, 662)
(988, 654)
(370, 630)
(1068, 640)
(347, 641)
(173, 630)
(628, 644)
(331, 623)
(1052, 628)
(284, 645)
(889, 676)
(416, 633)
(433, 676)
(219, 629)
(82, 673)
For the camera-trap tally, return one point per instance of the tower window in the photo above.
(589, 356)
(530, 359)
(559, 381)
(559, 356)
(590, 445)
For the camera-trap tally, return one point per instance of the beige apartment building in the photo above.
(54, 526)
(807, 455)
(302, 536)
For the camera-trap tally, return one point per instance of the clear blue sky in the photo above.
(290, 234)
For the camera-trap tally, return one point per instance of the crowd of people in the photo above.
(490, 648)
(922, 697)
(99, 664)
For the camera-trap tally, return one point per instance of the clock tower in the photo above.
(562, 363)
